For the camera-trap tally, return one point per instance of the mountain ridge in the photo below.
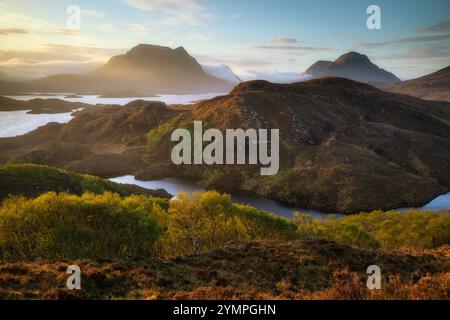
(353, 66)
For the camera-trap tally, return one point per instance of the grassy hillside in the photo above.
(32, 180)
(206, 247)
(255, 270)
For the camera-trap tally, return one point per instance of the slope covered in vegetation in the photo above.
(32, 180)
(257, 270)
(204, 247)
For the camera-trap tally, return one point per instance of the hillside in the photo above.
(33, 180)
(435, 86)
(145, 69)
(345, 146)
(302, 269)
(204, 246)
(354, 66)
(40, 106)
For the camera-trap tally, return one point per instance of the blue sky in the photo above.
(257, 39)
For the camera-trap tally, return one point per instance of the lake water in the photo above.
(441, 202)
(94, 99)
(16, 123)
(174, 186)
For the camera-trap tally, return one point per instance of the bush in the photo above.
(66, 226)
(388, 230)
(211, 220)
(156, 135)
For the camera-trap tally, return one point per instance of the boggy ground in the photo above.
(303, 269)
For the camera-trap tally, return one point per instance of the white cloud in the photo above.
(136, 28)
(93, 13)
(292, 48)
(252, 69)
(178, 12)
(12, 31)
(284, 40)
(52, 59)
(67, 32)
(14, 20)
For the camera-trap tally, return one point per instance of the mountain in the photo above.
(145, 69)
(345, 146)
(435, 86)
(156, 69)
(354, 66)
(222, 72)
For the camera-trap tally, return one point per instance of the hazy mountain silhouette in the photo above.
(354, 66)
(145, 69)
(222, 72)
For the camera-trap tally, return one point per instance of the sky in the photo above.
(268, 39)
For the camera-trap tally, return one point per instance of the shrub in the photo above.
(210, 220)
(388, 230)
(156, 135)
(62, 226)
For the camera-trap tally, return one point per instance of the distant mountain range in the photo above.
(145, 69)
(353, 66)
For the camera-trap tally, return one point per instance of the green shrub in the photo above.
(388, 230)
(211, 220)
(64, 226)
(156, 135)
